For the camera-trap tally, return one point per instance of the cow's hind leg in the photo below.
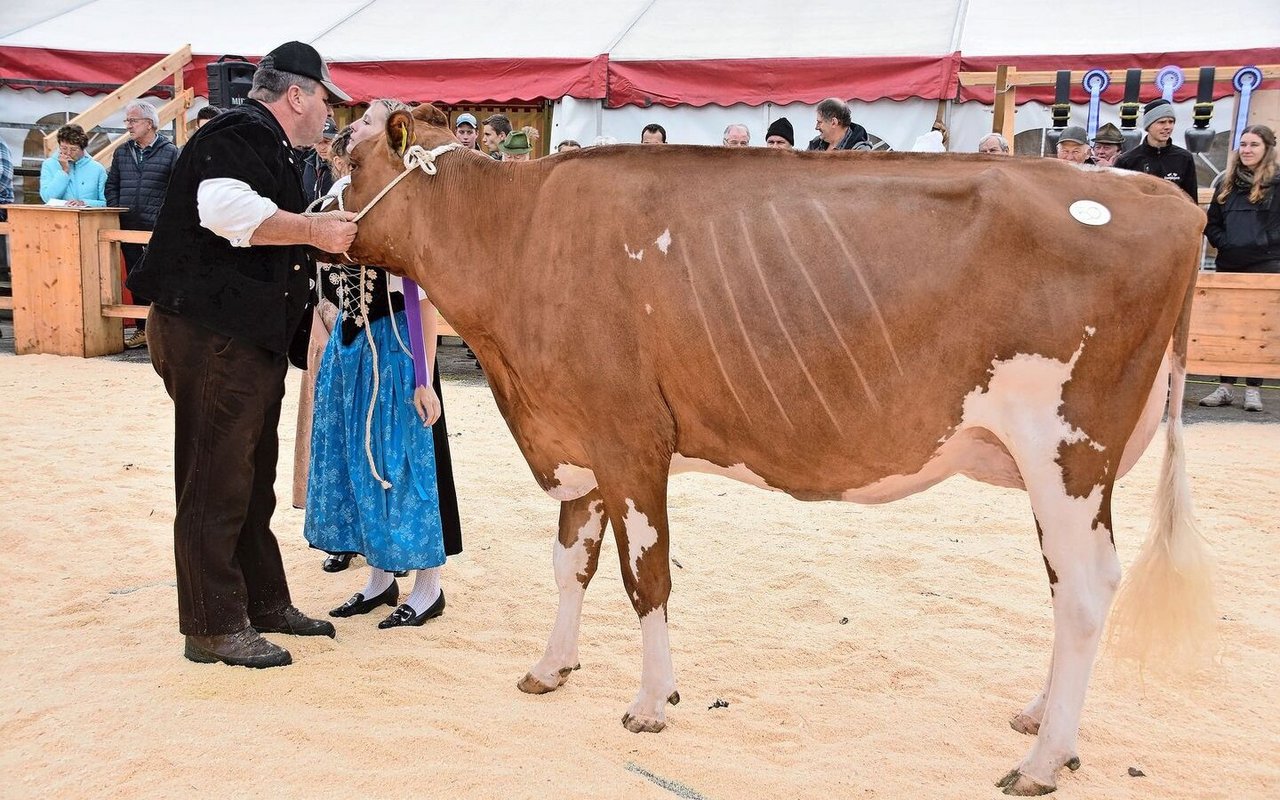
(575, 555)
(636, 505)
(1074, 518)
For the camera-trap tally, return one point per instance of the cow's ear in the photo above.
(399, 131)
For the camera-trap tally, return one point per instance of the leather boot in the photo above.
(244, 648)
(293, 622)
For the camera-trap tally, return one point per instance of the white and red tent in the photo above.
(611, 66)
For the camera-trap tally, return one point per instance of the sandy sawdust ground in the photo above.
(944, 594)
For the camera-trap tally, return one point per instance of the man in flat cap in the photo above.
(1073, 145)
(1157, 154)
(228, 272)
(1106, 145)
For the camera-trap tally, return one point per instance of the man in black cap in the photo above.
(1158, 155)
(228, 271)
(780, 134)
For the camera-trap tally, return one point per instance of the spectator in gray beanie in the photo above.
(780, 134)
(1158, 155)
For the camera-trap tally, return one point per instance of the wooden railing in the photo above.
(100, 111)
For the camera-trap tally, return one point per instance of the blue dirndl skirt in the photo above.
(348, 511)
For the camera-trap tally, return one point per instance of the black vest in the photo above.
(257, 293)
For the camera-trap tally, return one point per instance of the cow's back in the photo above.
(815, 307)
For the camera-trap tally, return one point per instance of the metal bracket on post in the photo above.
(1061, 107)
(1199, 137)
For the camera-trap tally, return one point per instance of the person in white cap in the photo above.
(466, 130)
(1158, 155)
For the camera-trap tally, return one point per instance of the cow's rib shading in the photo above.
(857, 368)
(777, 315)
(706, 328)
(737, 316)
(862, 280)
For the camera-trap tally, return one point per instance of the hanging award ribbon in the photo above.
(1246, 80)
(1168, 81)
(1095, 83)
(417, 346)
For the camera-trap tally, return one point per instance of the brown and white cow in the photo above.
(844, 326)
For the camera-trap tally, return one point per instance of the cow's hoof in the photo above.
(531, 684)
(1017, 784)
(674, 699)
(1023, 723)
(638, 724)
(1073, 763)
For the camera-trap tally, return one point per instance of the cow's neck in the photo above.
(470, 239)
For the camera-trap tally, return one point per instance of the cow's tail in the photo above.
(1164, 615)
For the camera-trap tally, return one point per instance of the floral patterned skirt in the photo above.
(348, 510)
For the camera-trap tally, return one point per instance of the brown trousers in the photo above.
(226, 399)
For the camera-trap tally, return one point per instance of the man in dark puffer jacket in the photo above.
(138, 179)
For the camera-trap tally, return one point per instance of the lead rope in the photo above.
(416, 157)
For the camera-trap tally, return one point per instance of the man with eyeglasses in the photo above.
(228, 271)
(137, 181)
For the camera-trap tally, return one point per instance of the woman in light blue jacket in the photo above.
(71, 174)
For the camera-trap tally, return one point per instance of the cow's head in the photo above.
(375, 163)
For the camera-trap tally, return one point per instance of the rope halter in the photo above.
(416, 157)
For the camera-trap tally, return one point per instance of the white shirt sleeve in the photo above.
(232, 209)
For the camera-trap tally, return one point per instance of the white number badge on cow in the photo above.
(1090, 212)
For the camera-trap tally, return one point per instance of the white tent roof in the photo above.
(455, 52)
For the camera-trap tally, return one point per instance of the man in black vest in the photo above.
(227, 272)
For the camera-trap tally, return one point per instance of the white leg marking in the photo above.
(742, 328)
(862, 280)
(795, 257)
(777, 316)
(636, 256)
(657, 675)
(574, 482)
(715, 351)
(664, 241)
(1022, 404)
(641, 535)
(570, 570)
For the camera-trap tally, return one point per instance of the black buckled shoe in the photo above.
(404, 615)
(244, 648)
(358, 605)
(337, 562)
(293, 622)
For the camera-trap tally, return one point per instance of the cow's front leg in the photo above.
(639, 519)
(575, 556)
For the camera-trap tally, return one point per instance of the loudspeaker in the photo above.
(230, 79)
